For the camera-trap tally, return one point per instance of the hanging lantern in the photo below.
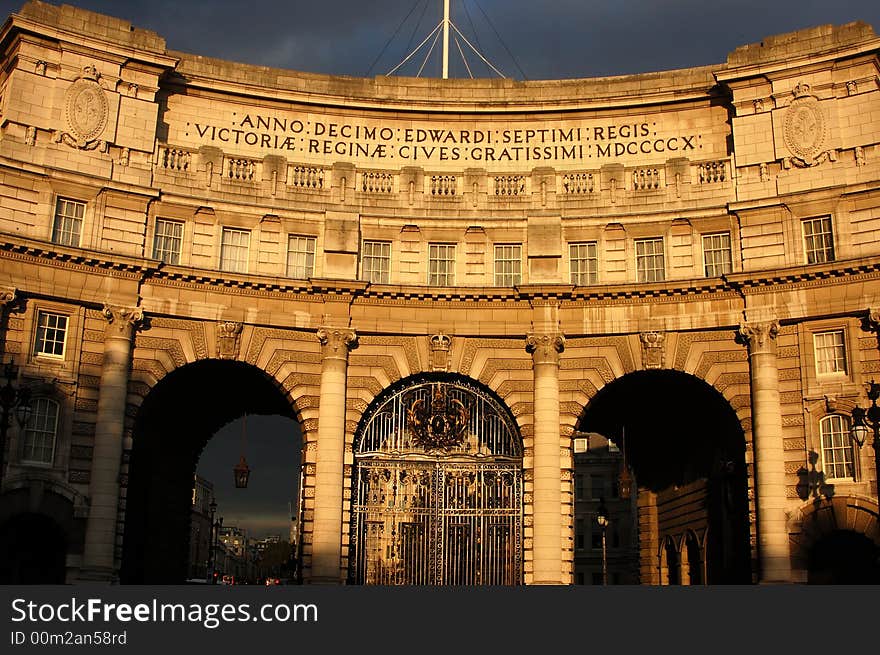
(242, 472)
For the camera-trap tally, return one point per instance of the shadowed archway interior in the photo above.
(32, 550)
(681, 436)
(176, 420)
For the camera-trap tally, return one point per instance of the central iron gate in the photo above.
(438, 490)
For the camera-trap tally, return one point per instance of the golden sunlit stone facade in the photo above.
(340, 235)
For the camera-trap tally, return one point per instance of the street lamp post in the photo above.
(12, 399)
(215, 546)
(212, 508)
(865, 419)
(602, 520)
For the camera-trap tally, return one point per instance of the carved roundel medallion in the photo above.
(805, 128)
(86, 110)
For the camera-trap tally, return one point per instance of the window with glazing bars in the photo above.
(830, 350)
(818, 240)
(649, 260)
(168, 240)
(68, 222)
(234, 246)
(583, 262)
(376, 262)
(441, 264)
(508, 264)
(51, 334)
(300, 257)
(837, 449)
(716, 254)
(39, 435)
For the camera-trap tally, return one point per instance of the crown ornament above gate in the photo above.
(442, 423)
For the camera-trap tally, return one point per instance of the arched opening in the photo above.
(176, 421)
(844, 557)
(668, 453)
(694, 559)
(33, 550)
(437, 488)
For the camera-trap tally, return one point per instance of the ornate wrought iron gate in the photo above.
(438, 491)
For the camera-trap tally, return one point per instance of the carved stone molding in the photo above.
(123, 319)
(336, 342)
(7, 296)
(441, 345)
(545, 348)
(86, 112)
(873, 319)
(805, 128)
(653, 348)
(227, 339)
(759, 336)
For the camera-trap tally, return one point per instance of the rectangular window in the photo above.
(234, 246)
(39, 435)
(376, 262)
(584, 263)
(441, 264)
(167, 241)
(837, 449)
(597, 487)
(508, 264)
(580, 492)
(818, 240)
(596, 539)
(579, 534)
(716, 254)
(68, 222)
(300, 257)
(830, 352)
(649, 260)
(51, 334)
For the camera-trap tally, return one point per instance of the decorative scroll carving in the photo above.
(653, 346)
(336, 342)
(227, 339)
(441, 345)
(123, 319)
(759, 336)
(85, 110)
(805, 127)
(545, 348)
(7, 296)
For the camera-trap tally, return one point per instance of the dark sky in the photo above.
(549, 39)
(272, 446)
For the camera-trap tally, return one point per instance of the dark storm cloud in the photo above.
(549, 40)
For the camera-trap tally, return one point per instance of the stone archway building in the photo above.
(543, 238)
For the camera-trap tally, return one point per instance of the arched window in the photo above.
(38, 445)
(837, 449)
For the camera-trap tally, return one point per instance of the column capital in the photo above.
(759, 335)
(873, 319)
(336, 342)
(122, 320)
(545, 348)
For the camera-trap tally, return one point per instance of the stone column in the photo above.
(100, 538)
(547, 481)
(774, 559)
(330, 456)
